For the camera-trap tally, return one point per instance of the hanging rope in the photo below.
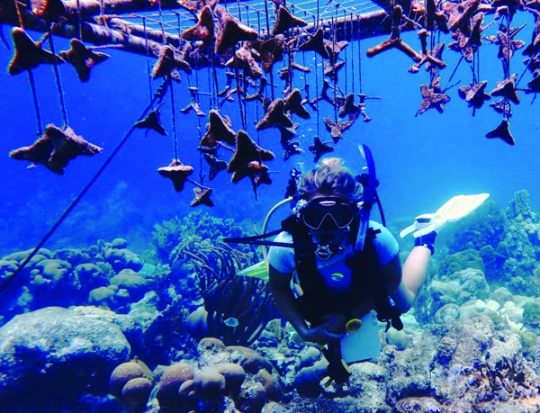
(454, 71)
(256, 104)
(526, 68)
(197, 184)
(214, 74)
(79, 20)
(506, 58)
(352, 56)
(317, 84)
(161, 21)
(245, 80)
(476, 66)
(19, 14)
(346, 38)
(148, 65)
(173, 116)
(303, 64)
(211, 88)
(268, 34)
(36, 102)
(31, 78)
(289, 55)
(57, 79)
(239, 11)
(334, 78)
(239, 92)
(77, 199)
(318, 10)
(199, 129)
(359, 57)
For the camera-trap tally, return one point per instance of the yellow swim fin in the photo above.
(259, 270)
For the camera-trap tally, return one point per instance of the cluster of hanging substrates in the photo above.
(220, 41)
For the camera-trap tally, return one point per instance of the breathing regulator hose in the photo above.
(267, 219)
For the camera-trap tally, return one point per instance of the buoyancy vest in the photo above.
(318, 301)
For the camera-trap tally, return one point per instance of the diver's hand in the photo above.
(332, 329)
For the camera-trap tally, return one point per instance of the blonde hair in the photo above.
(330, 178)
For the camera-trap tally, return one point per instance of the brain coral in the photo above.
(234, 376)
(135, 394)
(120, 257)
(122, 374)
(131, 384)
(92, 275)
(131, 281)
(249, 359)
(168, 388)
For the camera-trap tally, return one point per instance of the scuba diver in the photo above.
(341, 281)
(335, 273)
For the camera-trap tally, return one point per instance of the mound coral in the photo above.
(226, 375)
(172, 378)
(462, 260)
(131, 384)
(129, 280)
(120, 257)
(454, 289)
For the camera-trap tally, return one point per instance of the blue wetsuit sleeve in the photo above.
(282, 258)
(385, 243)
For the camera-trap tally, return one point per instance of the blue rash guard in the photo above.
(336, 274)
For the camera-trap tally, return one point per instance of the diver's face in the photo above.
(328, 218)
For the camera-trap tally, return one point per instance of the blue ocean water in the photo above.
(422, 161)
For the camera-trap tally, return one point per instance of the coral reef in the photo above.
(58, 356)
(224, 376)
(485, 226)
(192, 228)
(71, 276)
(446, 290)
(213, 341)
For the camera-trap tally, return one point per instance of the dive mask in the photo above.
(328, 213)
